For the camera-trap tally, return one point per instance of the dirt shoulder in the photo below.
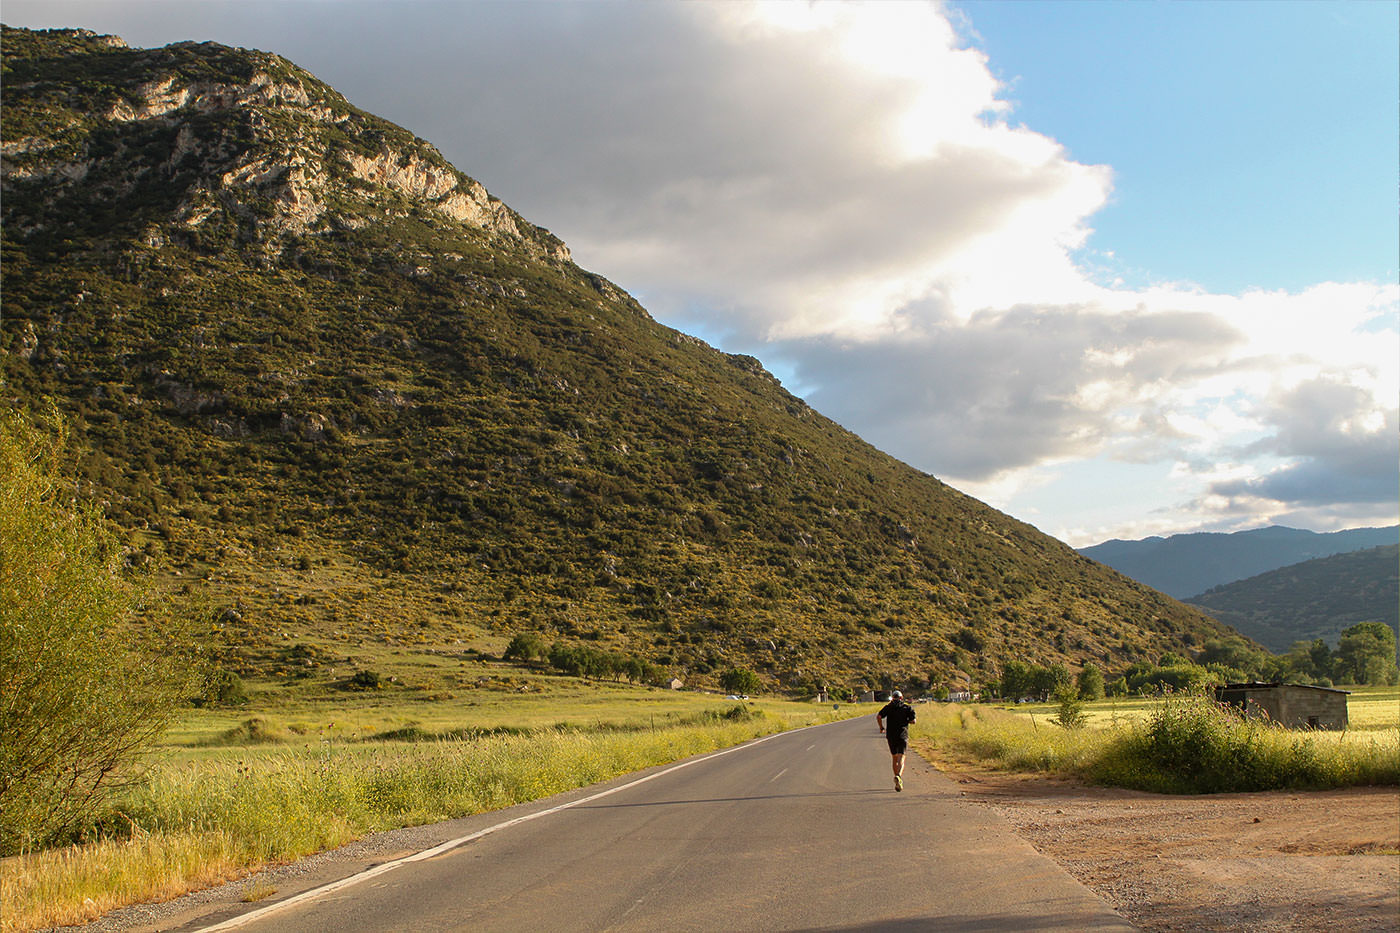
(1282, 861)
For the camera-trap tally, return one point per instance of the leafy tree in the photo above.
(1366, 653)
(83, 690)
(740, 680)
(526, 646)
(1233, 652)
(1090, 683)
(220, 688)
(1017, 679)
(1049, 680)
(1186, 677)
(1323, 661)
(1310, 659)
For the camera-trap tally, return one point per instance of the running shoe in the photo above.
(898, 783)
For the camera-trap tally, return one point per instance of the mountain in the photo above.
(1185, 565)
(1313, 599)
(322, 379)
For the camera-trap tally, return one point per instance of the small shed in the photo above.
(1295, 706)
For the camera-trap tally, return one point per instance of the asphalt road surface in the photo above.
(799, 831)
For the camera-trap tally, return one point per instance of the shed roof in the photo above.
(1258, 685)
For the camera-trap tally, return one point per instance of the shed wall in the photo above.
(1295, 707)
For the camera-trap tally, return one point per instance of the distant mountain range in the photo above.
(1314, 599)
(1187, 565)
(325, 381)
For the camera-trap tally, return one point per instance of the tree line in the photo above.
(584, 660)
(1365, 654)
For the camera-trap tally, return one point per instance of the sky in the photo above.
(1115, 268)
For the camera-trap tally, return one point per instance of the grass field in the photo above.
(347, 717)
(296, 771)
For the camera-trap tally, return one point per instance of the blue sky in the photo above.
(1116, 268)
(1230, 127)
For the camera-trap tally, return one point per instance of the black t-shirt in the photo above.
(897, 715)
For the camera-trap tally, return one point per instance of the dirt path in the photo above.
(1263, 863)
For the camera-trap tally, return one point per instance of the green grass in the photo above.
(206, 813)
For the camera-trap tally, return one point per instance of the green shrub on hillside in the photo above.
(740, 680)
(526, 646)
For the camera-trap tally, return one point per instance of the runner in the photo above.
(899, 715)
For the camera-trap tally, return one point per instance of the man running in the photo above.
(899, 715)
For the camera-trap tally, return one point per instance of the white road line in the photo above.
(776, 776)
(367, 874)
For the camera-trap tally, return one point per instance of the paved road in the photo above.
(801, 831)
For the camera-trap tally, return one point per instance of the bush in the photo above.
(526, 646)
(254, 731)
(740, 680)
(1194, 745)
(366, 680)
(221, 688)
(1071, 708)
(84, 688)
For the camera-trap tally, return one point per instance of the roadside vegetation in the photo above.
(84, 688)
(208, 812)
(1177, 743)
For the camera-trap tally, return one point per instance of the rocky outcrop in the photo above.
(439, 186)
(274, 156)
(163, 96)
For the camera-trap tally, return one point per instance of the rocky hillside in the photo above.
(323, 380)
(1313, 599)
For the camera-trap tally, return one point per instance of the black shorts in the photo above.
(899, 742)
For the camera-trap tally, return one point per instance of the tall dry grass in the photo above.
(1184, 744)
(202, 822)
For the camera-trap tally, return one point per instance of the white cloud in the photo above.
(835, 187)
